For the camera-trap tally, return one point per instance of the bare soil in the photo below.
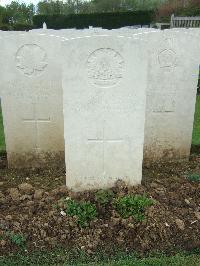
(173, 222)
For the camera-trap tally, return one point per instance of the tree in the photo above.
(2, 14)
(20, 13)
(50, 7)
(82, 6)
(180, 7)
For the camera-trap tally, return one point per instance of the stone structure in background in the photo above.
(104, 81)
(31, 95)
(171, 94)
(31, 91)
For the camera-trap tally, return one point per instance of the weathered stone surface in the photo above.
(197, 214)
(26, 188)
(31, 94)
(31, 91)
(180, 224)
(38, 194)
(14, 194)
(171, 94)
(166, 137)
(2, 198)
(104, 81)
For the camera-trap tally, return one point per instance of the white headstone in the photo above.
(44, 26)
(171, 94)
(104, 81)
(31, 93)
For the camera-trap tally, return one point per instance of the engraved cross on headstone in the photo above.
(103, 141)
(36, 120)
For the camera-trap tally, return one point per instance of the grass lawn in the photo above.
(61, 257)
(196, 131)
(2, 138)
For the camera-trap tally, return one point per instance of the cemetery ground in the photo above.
(42, 222)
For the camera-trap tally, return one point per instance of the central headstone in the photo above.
(104, 81)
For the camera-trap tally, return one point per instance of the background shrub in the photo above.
(189, 8)
(105, 20)
(4, 27)
(22, 27)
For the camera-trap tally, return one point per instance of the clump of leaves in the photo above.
(194, 178)
(103, 197)
(134, 206)
(17, 239)
(2, 237)
(83, 211)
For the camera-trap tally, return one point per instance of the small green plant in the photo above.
(83, 211)
(103, 197)
(134, 206)
(2, 237)
(194, 178)
(17, 239)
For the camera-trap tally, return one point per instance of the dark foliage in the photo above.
(104, 20)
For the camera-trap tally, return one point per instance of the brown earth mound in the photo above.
(28, 200)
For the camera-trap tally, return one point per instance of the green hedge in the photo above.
(104, 20)
(4, 27)
(22, 27)
(16, 27)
